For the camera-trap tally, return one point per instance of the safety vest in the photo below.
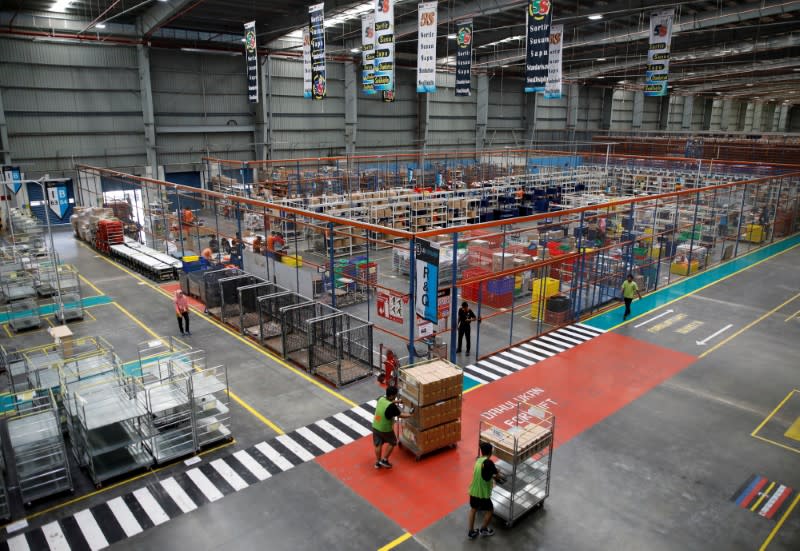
(381, 423)
(480, 488)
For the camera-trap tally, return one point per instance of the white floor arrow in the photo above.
(665, 313)
(708, 338)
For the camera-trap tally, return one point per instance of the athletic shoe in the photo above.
(183, 334)
(472, 534)
(385, 464)
(377, 464)
(188, 334)
(487, 532)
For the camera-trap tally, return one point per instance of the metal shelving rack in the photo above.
(111, 427)
(170, 416)
(524, 452)
(24, 314)
(210, 405)
(37, 446)
(5, 510)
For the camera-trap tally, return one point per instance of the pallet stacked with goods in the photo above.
(523, 451)
(434, 390)
(109, 233)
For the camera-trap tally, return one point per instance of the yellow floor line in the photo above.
(779, 524)
(92, 285)
(696, 290)
(762, 498)
(774, 411)
(792, 316)
(115, 485)
(238, 337)
(774, 443)
(748, 326)
(395, 542)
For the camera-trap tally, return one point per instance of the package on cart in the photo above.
(424, 441)
(436, 414)
(529, 440)
(432, 382)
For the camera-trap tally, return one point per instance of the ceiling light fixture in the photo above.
(100, 26)
(451, 36)
(61, 5)
(596, 16)
(601, 59)
(355, 50)
(601, 77)
(749, 84)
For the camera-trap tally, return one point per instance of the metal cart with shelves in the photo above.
(523, 448)
(111, 427)
(210, 405)
(37, 446)
(5, 510)
(24, 314)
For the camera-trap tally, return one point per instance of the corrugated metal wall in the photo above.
(451, 119)
(192, 91)
(68, 103)
(506, 126)
(651, 112)
(622, 110)
(389, 126)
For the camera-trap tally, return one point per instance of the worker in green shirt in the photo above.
(480, 491)
(629, 290)
(386, 411)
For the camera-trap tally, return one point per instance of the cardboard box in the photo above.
(431, 382)
(425, 441)
(436, 414)
(529, 440)
(502, 261)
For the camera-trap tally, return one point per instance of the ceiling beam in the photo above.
(162, 13)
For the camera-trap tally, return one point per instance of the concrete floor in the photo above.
(658, 473)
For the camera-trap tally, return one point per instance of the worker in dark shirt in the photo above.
(386, 411)
(480, 491)
(465, 317)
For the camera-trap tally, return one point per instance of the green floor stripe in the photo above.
(47, 309)
(659, 298)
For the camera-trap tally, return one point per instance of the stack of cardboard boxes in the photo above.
(434, 390)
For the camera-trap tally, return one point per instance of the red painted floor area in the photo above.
(581, 387)
(193, 302)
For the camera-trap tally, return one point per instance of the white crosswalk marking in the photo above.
(553, 342)
(372, 403)
(481, 374)
(574, 333)
(590, 328)
(252, 465)
(363, 413)
(270, 453)
(150, 506)
(225, 471)
(521, 361)
(333, 431)
(18, 543)
(55, 537)
(295, 448)
(181, 499)
(527, 354)
(493, 363)
(351, 424)
(581, 331)
(561, 335)
(538, 349)
(314, 439)
(124, 517)
(200, 480)
(91, 531)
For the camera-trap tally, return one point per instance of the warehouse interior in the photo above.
(227, 227)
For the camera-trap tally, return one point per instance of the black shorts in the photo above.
(379, 437)
(481, 504)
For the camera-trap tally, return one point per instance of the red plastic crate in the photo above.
(470, 291)
(493, 300)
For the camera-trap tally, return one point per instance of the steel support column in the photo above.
(482, 119)
(148, 114)
(5, 147)
(688, 113)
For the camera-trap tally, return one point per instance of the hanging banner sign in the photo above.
(464, 58)
(316, 18)
(657, 74)
(552, 90)
(306, 63)
(368, 54)
(251, 55)
(537, 44)
(384, 46)
(57, 199)
(13, 177)
(427, 280)
(426, 48)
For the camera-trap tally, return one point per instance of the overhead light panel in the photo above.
(601, 59)
(61, 5)
(355, 50)
(451, 36)
(100, 26)
(596, 16)
(749, 84)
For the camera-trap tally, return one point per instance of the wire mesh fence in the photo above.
(295, 324)
(340, 348)
(210, 291)
(270, 309)
(249, 296)
(229, 297)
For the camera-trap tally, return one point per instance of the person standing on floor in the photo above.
(484, 473)
(465, 317)
(386, 411)
(629, 290)
(182, 312)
